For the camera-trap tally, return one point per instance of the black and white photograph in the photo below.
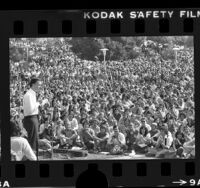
(102, 98)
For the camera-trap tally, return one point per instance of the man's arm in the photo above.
(159, 141)
(81, 138)
(60, 135)
(147, 138)
(122, 139)
(105, 137)
(148, 127)
(76, 124)
(110, 139)
(28, 152)
(174, 145)
(156, 135)
(169, 141)
(120, 123)
(41, 129)
(74, 135)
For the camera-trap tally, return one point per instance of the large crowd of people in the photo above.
(145, 105)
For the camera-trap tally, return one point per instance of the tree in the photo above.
(85, 48)
(43, 50)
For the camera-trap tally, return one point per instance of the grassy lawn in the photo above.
(93, 156)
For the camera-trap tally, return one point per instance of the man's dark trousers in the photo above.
(31, 124)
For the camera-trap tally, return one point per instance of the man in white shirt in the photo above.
(19, 145)
(164, 141)
(30, 108)
(73, 122)
(116, 140)
(22, 149)
(163, 145)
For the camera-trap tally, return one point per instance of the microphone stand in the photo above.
(37, 147)
(37, 152)
(51, 141)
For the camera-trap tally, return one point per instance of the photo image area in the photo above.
(107, 98)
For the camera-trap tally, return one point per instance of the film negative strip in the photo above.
(101, 98)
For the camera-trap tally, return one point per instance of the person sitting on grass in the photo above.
(131, 136)
(189, 149)
(103, 135)
(73, 121)
(178, 144)
(68, 136)
(59, 128)
(154, 133)
(45, 135)
(116, 142)
(144, 124)
(19, 145)
(94, 125)
(142, 140)
(163, 145)
(87, 136)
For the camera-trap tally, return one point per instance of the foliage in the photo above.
(43, 50)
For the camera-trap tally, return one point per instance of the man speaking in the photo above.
(30, 107)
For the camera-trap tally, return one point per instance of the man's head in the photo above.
(143, 121)
(164, 129)
(104, 125)
(182, 116)
(130, 126)
(70, 116)
(117, 110)
(116, 130)
(190, 113)
(85, 123)
(15, 128)
(154, 126)
(148, 114)
(59, 122)
(35, 84)
(179, 135)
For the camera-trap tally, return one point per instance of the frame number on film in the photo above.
(191, 182)
(194, 182)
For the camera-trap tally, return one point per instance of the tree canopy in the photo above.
(88, 48)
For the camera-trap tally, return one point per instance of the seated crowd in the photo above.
(153, 139)
(129, 106)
